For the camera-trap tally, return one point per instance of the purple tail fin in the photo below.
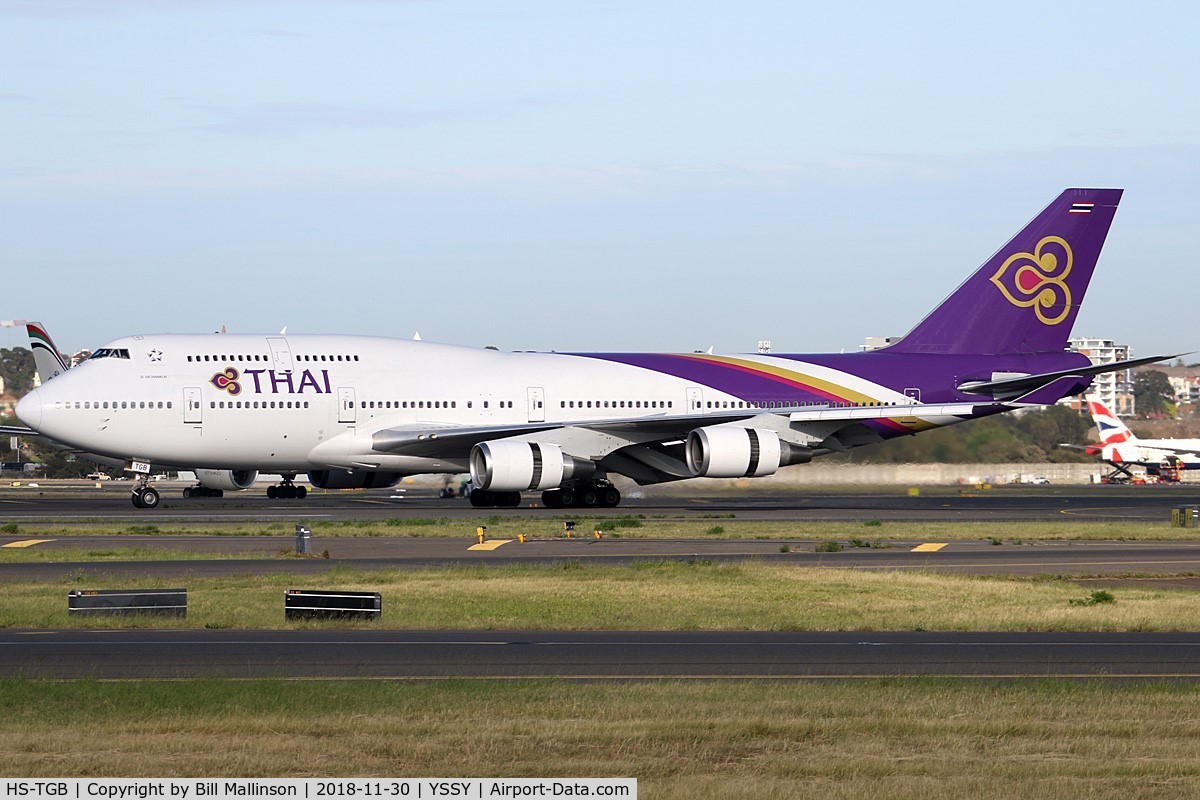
(1025, 297)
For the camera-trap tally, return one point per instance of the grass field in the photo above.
(724, 739)
(717, 526)
(875, 739)
(650, 596)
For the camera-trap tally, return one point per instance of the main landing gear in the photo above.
(584, 494)
(286, 490)
(481, 498)
(200, 490)
(580, 494)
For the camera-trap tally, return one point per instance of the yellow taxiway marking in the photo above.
(26, 543)
(929, 547)
(490, 544)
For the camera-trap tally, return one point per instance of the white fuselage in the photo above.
(289, 404)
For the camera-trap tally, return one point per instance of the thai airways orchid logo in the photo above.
(1038, 279)
(227, 381)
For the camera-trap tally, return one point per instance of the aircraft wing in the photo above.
(13, 430)
(651, 450)
(446, 441)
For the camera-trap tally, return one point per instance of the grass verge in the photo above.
(640, 527)
(649, 596)
(878, 739)
(34, 555)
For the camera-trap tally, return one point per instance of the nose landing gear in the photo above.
(144, 496)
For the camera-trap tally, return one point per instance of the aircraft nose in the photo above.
(29, 409)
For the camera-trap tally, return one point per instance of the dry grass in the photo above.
(879, 739)
(716, 527)
(659, 596)
(83, 553)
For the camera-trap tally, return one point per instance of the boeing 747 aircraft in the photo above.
(359, 411)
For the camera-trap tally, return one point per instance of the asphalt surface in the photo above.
(514, 655)
(1132, 504)
(76, 507)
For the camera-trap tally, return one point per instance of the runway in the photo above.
(76, 507)
(79, 504)
(594, 655)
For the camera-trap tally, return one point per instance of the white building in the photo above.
(1187, 389)
(877, 342)
(1114, 389)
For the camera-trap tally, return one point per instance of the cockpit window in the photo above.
(109, 352)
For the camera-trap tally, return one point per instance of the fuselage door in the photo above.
(695, 399)
(281, 354)
(346, 411)
(537, 404)
(914, 396)
(192, 406)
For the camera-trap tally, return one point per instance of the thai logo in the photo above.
(227, 381)
(1038, 279)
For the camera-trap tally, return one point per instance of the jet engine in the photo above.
(356, 479)
(728, 452)
(227, 480)
(519, 466)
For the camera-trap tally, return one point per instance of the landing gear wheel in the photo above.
(508, 499)
(552, 498)
(610, 497)
(588, 497)
(286, 490)
(482, 499)
(150, 498)
(566, 498)
(145, 497)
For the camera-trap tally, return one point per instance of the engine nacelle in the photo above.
(728, 452)
(524, 466)
(227, 480)
(357, 479)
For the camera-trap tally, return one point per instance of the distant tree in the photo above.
(1050, 427)
(1152, 392)
(1033, 436)
(17, 368)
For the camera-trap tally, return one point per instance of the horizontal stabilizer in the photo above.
(1010, 388)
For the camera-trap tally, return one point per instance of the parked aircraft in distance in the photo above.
(1120, 448)
(358, 411)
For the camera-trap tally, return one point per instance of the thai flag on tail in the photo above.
(1081, 208)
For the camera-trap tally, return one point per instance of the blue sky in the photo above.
(587, 175)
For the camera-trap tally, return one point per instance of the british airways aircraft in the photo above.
(1121, 448)
(358, 411)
